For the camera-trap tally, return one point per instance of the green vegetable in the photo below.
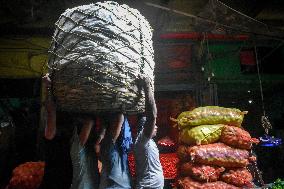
(278, 184)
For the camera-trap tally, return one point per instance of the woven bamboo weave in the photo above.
(96, 54)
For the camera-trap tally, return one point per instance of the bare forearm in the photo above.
(151, 111)
(150, 104)
(116, 127)
(85, 132)
(101, 134)
(50, 129)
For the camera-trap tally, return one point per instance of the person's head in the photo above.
(81, 119)
(141, 123)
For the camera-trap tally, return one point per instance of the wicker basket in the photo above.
(96, 54)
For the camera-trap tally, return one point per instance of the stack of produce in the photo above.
(214, 149)
(27, 176)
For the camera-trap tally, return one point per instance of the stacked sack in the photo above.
(214, 149)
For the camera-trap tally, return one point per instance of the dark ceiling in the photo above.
(270, 12)
(39, 16)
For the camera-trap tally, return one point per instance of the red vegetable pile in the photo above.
(168, 161)
(27, 176)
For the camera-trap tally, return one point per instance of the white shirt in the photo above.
(149, 172)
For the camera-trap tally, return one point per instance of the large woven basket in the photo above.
(96, 54)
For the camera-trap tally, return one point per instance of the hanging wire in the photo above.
(240, 13)
(259, 79)
(208, 58)
(209, 20)
(273, 50)
(264, 119)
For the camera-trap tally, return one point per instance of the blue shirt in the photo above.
(85, 164)
(113, 175)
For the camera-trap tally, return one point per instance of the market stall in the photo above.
(201, 60)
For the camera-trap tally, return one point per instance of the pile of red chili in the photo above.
(168, 161)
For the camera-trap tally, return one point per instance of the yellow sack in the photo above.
(204, 134)
(210, 115)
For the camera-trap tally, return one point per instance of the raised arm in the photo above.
(150, 108)
(102, 133)
(50, 129)
(86, 130)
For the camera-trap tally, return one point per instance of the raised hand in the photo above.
(49, 102)
(144, 81)
(46, 81)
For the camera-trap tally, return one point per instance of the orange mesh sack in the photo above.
(27, 176)
(203, 173)
(188, 183)
(237, 137)
(238, 177)
(219, 154)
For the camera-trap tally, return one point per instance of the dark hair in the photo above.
(109, 117)
(141, 123)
